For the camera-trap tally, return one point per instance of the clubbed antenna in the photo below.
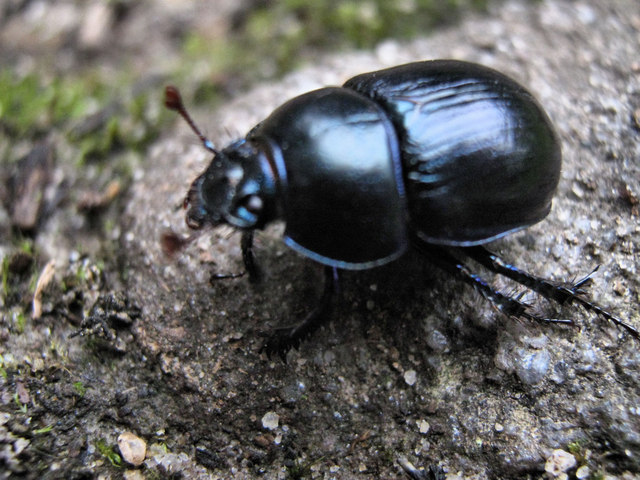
(171, 242)
(173, 101)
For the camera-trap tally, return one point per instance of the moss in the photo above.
(129, 124)
(22, 407)
(43, 430)
(96, 119)
(80, 389)
(31, 105)
(19, 320)
(109, 452)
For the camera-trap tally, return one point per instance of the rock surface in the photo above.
(344, 406)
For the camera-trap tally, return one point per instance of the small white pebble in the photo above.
(423, 426)
(559, 462)
(132, 448)
(583, 472)
(270, 420)
(133, 475)
(410, 377)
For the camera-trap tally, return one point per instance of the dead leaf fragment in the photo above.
(45, 278)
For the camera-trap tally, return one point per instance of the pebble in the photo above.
(531, 367)
(270, 420)
(559, 462)
(583, 472)
(423, 426)
(438, 341)
(133, 475)
(132, 448)
(410, 377)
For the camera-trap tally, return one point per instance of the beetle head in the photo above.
(238, 187)
(235, 189)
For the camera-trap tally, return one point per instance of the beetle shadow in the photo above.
(411, 301)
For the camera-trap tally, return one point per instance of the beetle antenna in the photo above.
(173, 101)
(171, 242)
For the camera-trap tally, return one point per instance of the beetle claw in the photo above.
(280, 342)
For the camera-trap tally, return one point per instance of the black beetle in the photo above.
(443, 155)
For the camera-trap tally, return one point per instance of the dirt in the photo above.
(414, 365)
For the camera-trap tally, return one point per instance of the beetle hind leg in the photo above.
(506, 304)
(574, 293)
(283, 339)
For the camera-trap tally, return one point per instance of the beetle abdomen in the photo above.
(340, 180)
(480, 156)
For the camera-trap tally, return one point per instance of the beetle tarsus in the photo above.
(597, 309)
(225, 276)
(284, 339)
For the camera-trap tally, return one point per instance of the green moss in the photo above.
(31, 105)
(108, 451)
(577, 449)
(19, 320)
(96, 119)
(80, 389)
(21, 406)
(43, 430)
(26, 246)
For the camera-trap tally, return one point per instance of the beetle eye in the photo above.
(253, 203)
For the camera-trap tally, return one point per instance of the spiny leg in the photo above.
(510, 306)
(284, 338)
(248, 259)
(547, 289)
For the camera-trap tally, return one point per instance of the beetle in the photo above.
(443, 155)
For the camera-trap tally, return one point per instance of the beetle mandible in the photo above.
(442, 155)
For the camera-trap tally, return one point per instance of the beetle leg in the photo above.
(510, 306)
(248, 258)
(285, 338)
(547, 289)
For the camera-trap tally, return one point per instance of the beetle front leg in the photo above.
(285, 338)
(248, 258)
